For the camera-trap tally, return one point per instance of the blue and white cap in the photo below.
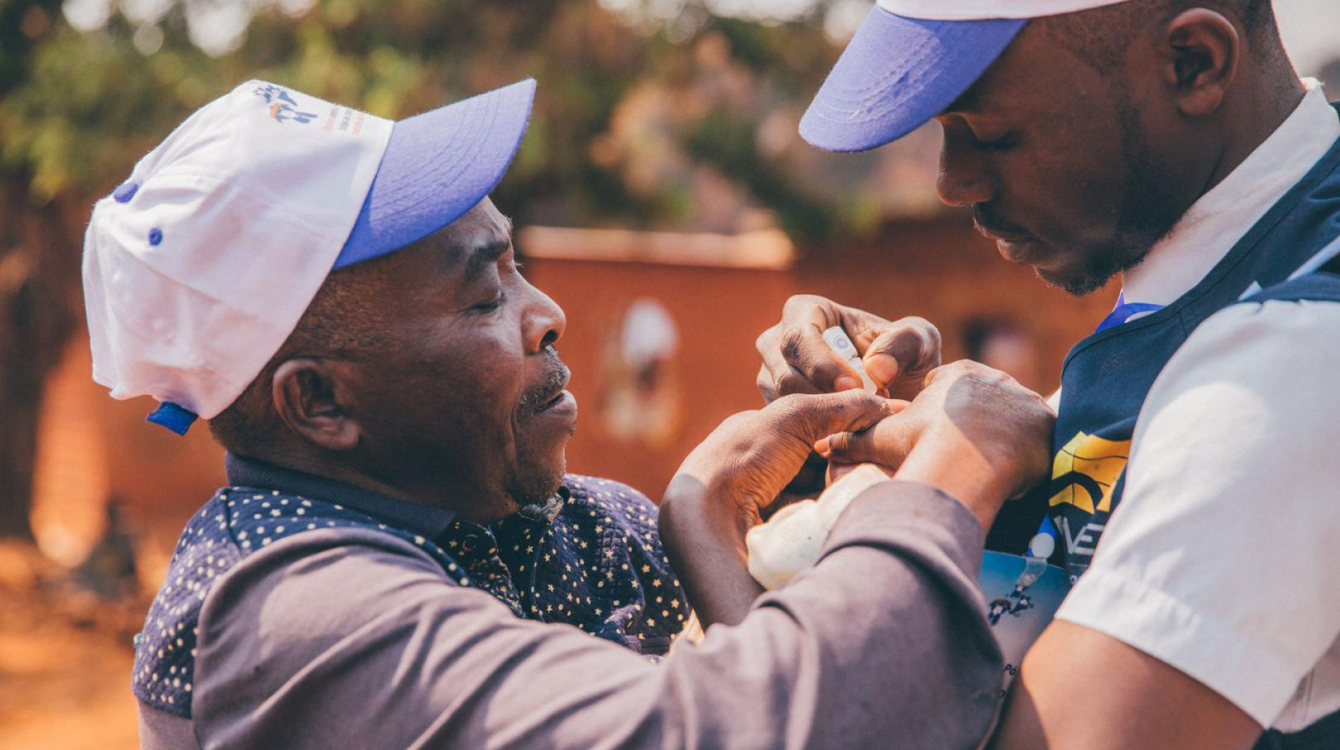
(910, 60)
(199, 266)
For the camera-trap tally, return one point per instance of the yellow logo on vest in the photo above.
(1087, 469)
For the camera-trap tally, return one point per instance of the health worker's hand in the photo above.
(973, 432)
(796, 359)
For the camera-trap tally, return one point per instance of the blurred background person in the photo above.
(1005, 345)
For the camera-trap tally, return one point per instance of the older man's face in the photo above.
(469, 392)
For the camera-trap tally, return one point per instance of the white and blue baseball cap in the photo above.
(910, 59)
(199, 266)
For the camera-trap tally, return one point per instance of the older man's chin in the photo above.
(537, 482)
(538, 477)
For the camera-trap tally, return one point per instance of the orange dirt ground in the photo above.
(65, 661)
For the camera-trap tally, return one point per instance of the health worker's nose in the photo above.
(965, 177)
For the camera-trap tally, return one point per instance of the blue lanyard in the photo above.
(1124, 311)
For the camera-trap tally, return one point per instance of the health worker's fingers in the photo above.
(814, 361)
(900, 356)
(773, 383)
(776, 377)
(801, 344)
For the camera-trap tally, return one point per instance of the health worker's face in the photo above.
(1057, 164)
(469, 390)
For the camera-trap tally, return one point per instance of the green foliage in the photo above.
(728, 141)
(80, 108)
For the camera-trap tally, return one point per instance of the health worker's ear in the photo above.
(313, 398)
(1200, 50)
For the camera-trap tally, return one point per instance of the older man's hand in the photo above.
(974, 432)
(723, 487)
(897, 354)
(747, 461)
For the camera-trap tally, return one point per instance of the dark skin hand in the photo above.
(972, 432)
(1077, 173)
(722, 488)
(897, 354)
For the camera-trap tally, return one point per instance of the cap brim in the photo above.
(437, 166)
(896, 74)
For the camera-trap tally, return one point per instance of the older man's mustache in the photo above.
(555, 379)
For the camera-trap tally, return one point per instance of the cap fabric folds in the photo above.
(198, 267)
(910, 60)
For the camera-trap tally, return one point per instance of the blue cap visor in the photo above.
(437, 166)
(896, 74)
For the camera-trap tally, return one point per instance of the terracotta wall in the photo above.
(942, 271)
(718, 314)
(947, 273)
(94, 447)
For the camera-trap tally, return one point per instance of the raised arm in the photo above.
(332, 635)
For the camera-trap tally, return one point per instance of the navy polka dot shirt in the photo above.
(588, 557)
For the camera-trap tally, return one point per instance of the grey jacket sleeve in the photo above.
(346, 638)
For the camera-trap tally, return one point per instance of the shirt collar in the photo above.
(425, 520)
(1215, 223)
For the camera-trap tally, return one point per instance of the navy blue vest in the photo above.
(1107, 376)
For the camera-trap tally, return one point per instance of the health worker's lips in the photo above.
(1017, 248)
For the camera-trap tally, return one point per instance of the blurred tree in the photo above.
(87, 86)
(37, 261)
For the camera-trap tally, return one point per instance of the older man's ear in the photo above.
(312, 397)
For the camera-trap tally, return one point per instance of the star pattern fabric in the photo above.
(589, 557)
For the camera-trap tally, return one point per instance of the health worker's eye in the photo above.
(998, 143)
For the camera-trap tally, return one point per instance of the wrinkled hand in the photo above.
(897, 354)
(721, 489)
(974, 432)
(752, 456)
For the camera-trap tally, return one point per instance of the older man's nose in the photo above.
(545, 322)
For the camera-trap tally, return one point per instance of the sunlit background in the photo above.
(665, 201)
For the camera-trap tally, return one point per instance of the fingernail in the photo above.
(821, 447)
(882, 368)
(846, 383)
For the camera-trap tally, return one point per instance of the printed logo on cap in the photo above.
(282, 106)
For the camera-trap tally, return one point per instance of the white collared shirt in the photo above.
(1213, 224)
(1223, 558)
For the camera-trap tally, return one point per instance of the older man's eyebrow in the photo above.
(486, 254)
